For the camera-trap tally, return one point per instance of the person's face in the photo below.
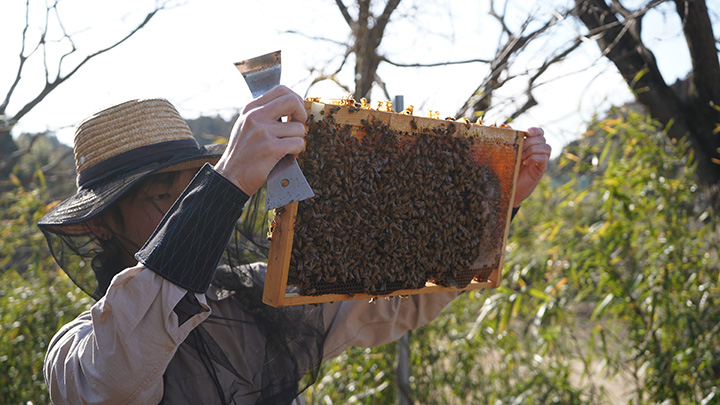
(142, 213)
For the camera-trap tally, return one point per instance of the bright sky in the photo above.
(186, 55)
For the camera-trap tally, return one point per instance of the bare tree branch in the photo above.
(634, 23)
(56, 162)
(345, 13)
(367, 39)
(499, 18)
(332, 76)
(316, 38)
(622, 50)
(700, 38)
(384, 18)
(383, 86)
(21, 64)
(14, 157)
(531, 101)
(51, 85)
(65, 36)
(696, 116)
(436, 64)
(43, 44)
(481, 98)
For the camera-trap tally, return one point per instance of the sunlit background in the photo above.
(186, 55)
(610, 287)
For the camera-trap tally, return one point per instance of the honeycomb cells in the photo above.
(392, 210)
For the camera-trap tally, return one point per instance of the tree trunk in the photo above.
(367, 32)
(692, 114)
(366, 60)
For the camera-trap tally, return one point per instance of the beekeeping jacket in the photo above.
(186, 326)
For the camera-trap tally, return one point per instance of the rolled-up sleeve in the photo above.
(370, 324)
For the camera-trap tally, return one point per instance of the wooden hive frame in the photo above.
(276, 281)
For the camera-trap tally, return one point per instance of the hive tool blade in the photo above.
(286, 182)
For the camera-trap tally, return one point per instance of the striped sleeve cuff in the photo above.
(187, 245)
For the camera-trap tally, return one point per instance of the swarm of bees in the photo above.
(391, 211)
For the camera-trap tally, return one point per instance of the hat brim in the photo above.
(69, 216)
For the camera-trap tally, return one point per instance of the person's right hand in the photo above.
(258, 140)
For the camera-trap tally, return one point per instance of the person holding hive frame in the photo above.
(155, 234)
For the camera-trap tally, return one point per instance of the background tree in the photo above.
(367, 33)
(50, 44)
(614, 273)
(36, 297)
(552, 33)
(689, 109)
(609, 292)
(367, 22)
(627, 190)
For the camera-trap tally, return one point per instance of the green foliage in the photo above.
(46, 157)
(610, 291)
(357, 376)
(609, 294)
(637, 245)
(35, 296)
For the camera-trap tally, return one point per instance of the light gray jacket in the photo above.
(119, 350)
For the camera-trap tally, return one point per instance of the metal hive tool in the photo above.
(286, 182)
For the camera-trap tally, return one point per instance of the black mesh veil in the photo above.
(293, 335)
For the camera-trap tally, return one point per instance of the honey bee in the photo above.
(392, 208)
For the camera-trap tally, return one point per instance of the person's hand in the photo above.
(258, 140)
(533, 163)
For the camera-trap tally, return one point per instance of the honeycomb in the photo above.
(401, 203)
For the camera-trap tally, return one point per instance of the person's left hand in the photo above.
(533, 163)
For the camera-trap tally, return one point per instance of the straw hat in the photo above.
(117, 147)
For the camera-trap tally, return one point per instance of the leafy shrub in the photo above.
(35, 296)
(610, 290)
(609, 293)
